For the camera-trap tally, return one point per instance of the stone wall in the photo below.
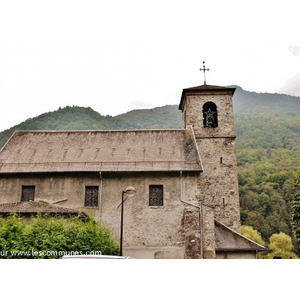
(194, 114)
(218, 184)
(159, 228)
(191, 226)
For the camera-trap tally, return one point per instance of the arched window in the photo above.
(210, 115)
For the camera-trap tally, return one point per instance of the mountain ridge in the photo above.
(248, 106)
(252, 102)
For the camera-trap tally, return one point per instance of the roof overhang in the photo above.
(205, 90)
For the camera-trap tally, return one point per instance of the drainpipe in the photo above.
(200, 215)
(100, 196)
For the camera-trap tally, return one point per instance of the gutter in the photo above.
(100, 196)
(200, 216)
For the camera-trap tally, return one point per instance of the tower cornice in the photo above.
(205, 90)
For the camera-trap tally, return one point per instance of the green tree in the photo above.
(265, 206)
(295, 203)
(252, 234)
(297, 181)
(281, 245)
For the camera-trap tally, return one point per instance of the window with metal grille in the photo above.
(156, 195)
(91, 196)
(27, 193)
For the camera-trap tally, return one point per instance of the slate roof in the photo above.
(106, 151)
(229, 240)
(34, 207)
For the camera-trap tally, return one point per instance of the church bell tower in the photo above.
(209, 110)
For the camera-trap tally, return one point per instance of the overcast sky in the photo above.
(116, 56)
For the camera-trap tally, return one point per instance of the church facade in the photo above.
(187, 202)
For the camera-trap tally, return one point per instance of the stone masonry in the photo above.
(218, 184)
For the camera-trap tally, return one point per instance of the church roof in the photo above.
(205, 89)
(229, 240)
(106, 151)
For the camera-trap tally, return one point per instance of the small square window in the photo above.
(28, 193)
(91, 196)
(156, 195)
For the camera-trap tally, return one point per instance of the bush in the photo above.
(50, 237)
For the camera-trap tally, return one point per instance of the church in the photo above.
(185, 182)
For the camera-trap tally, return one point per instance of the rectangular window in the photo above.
(91, 196)
(156, 195)
(28, 193)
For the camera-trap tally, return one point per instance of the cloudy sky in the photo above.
(116, 56)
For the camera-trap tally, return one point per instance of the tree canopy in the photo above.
(281, 246)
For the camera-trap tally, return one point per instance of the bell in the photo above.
(210, 122)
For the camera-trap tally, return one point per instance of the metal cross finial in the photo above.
(204, 69)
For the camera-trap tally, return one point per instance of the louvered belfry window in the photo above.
(91, 196)
(156, 195)
(28, 193)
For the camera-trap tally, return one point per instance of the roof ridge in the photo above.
(208, 86)
(93, 130)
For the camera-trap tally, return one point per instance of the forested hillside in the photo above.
(85, 118)
(251, 102)
(268, 148)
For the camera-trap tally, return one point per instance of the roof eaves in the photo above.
(237, 249)
(203, 89)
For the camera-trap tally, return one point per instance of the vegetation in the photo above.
(84, 118)
(49, 237)
(68, 118)
(166, 117)
(253, 235)
(295, 203)
(268, 151)
(281, 246)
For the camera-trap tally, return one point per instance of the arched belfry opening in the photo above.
(210, 115)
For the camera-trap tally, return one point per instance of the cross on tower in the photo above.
(204, 69)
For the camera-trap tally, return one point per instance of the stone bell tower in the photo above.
(209, 110)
